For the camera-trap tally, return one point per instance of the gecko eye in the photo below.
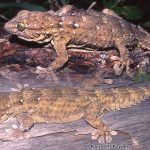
(21, 26)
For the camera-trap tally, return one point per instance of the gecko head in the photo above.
(28, 25)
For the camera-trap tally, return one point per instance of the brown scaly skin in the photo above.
(60, 105)
(86, 29)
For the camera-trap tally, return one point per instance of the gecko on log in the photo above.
(62, 105)
(87, 29)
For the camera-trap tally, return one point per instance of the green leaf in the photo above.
(147, 24)
(105, 3)
(64, 2)
(22, 5)
(142, 76)
(111, 3)
(129, 12)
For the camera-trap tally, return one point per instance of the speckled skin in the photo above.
(60, 105)
(87, 29)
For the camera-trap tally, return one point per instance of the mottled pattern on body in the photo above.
(60, 105)
(82, 28)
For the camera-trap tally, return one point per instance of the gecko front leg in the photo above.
(59, 44)
(25, 122)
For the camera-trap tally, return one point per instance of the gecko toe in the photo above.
(102, 135)
(95, 136)
(118, 68)
(14, 134)
(121, 65)
(41, 70)
(108, 139)
(47, 73)
(101, 140)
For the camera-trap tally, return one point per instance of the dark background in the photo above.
(136, 11)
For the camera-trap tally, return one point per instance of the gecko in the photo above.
(68, 104)
(87, 29)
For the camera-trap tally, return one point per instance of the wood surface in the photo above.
(132, 123)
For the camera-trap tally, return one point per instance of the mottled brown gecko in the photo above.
(67, 104)
(83, 28)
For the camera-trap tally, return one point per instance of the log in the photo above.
(132, 123)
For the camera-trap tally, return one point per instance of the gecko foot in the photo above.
(47, 73)
(102, 135)
(14, 134)
(119, 67)
(18, 131)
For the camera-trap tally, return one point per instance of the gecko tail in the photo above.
(126, 97)
(137, 95)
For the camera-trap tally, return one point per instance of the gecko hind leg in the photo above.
(17, 132)
(124, 45)
(102, 132)
(124, 64)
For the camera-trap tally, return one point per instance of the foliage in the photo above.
(23, 5)
(128, 11)
(142, 76)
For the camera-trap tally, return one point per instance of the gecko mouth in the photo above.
(38, 38)
(26, 38)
